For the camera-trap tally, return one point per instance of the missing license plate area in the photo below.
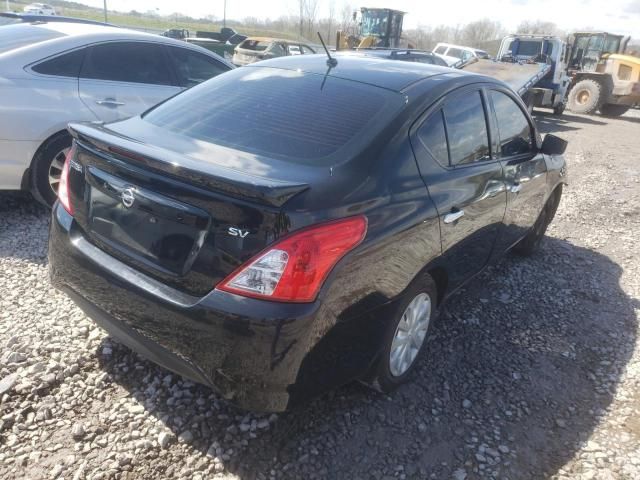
(145, 225)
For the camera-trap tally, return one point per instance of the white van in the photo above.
(452, 54)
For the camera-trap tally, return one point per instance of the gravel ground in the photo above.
(532, 372)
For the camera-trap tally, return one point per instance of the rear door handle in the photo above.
(109, 102)
(453, 216)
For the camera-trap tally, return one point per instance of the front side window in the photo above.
(65, 65)
(306, 50)
(132, 62)
(467, 129)
(513, 126)
(194, 67)
(294, 50)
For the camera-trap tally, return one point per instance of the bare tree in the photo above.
(480, 31)
(541, 27)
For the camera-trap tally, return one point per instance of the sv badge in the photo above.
(237, 232)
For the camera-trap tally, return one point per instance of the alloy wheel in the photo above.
(55, 169)
(410, 334)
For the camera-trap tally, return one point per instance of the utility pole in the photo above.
(7, 2)
(105, 11)
(300, 2)
(224, 15)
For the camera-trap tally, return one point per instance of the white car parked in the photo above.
(55, 73)
(39, 9)
(452, 54)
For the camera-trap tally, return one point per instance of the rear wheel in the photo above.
(585, 96)
(47, 168)
(405, 337)
(611, 110)
(530, 244)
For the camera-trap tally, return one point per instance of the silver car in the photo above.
(55, 73)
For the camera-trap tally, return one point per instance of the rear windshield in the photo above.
(258, 46)
(528, 48)
(287, 114)
(16, 36)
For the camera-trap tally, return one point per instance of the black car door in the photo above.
(451, 142)
(525, 170)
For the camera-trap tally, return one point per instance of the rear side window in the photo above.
(65, 65)
(256, 45)
(302, 118)
(440, 50)
(513, 126)
(466, 129)
(433, 137)
(278, 50)
(133, 62)
(455, 52)
(194, 67)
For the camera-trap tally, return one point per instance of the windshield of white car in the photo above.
(17, 36)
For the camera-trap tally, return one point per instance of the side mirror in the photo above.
(552, 145)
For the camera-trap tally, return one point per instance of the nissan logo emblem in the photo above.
(127, 197)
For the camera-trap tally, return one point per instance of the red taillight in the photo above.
(63, 186)
(294, 268)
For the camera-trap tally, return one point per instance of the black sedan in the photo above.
(289, 227)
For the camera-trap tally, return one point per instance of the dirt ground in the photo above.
(533, 370)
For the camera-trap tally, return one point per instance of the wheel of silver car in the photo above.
(55, 169)
(47, 168)
(410, 334)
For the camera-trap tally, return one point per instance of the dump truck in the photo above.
(603, 78)
(533, 66)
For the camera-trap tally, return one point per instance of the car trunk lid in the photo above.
(183, 215)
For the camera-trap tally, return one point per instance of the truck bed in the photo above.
(520, 77)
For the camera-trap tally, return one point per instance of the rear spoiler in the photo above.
(244, 186)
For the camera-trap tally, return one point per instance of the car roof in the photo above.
(73, 35)
(87, 31)
(380, 72)
(384, 52)
(31, 18)
(269, 39)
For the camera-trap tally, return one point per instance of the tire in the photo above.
(387, 374)
(612, 110)
(585, 96)
(530, 244)
(47, 161)
(560, 108)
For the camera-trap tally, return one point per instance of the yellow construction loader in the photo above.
(374, 28)
(603, 77)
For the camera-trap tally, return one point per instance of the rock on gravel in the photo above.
(527, 343)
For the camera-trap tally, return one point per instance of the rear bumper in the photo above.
(250, 351)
